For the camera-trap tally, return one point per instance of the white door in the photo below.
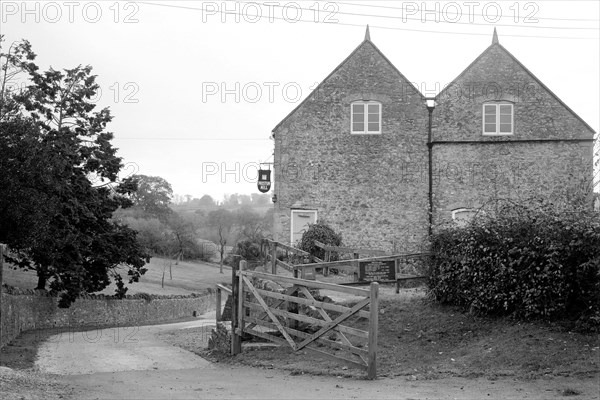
(300, 221)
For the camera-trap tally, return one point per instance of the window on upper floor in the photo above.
(365, 117)
(498, 119)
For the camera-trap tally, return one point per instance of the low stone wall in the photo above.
(24, 310)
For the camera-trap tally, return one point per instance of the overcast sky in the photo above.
(195, 92)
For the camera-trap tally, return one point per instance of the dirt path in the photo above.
(117, 349)
(247, 383)
(129, 363)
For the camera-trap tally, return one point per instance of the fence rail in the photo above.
(309, 265)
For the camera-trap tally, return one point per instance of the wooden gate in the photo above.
(294, 317)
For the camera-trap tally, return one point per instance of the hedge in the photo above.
(529, 261)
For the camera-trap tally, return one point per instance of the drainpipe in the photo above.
(430, 106)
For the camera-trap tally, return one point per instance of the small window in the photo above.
(462, 216)
(366, 117)
(498, 119)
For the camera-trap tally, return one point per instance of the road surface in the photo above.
(133, 363)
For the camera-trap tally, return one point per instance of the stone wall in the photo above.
(549, 153)
(353, 181)
(473, 175)
(24, 310)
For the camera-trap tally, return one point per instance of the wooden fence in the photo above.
(295, 318)
(309, 264)
(276, 247)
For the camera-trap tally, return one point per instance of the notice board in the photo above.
(376, 271)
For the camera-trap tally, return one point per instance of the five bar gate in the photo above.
(295, 318)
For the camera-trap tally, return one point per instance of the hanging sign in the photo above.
(264, 180)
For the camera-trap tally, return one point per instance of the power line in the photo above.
(377, 26)
(503, 16)
(403, 18)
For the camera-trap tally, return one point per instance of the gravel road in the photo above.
(133, 363)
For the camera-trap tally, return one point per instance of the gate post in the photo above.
(356, 267)
(274, 258)
(218, 301)
(373, 328)
(240, 305)
(236, 340)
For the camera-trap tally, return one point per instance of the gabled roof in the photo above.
(496, 43)
(367, 41)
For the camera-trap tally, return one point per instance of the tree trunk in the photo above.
(42, 279)
(221, 263)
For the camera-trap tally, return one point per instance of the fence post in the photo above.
(325, 270)
(373, 329)
(274, 258)
(240, 305)
(397, 267)
(356, 267)
(218, 301)
(236, 340)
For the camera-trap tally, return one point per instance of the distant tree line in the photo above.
(229, 201)
(196, 230)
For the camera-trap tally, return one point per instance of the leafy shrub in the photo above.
(324, 234)
(204, 251)
(248, 250)
(530, 261)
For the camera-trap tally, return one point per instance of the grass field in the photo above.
(187, 277)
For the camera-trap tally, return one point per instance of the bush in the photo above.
(324, 234)
(248, 250)
(532, 261)
(204, 251)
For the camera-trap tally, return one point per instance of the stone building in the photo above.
(370, 155)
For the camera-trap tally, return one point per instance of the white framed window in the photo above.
(365, 118)
(462, 216)
(498, 119)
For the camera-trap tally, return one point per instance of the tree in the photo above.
(53, 218)
(155, 236)
(206, 201)
(184, 237)
(245, 200)
(153, 196)
(259, 199)
(221, 221)
(17, 60)
(250, 224)
(231, 201)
